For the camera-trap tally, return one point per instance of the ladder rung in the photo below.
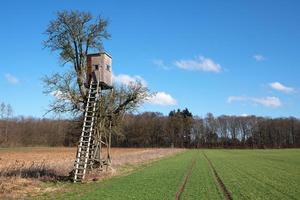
(88, 122)
(79, 167)
(82, 147)
(81, 163)
(84, 152)
(81, 160)
(86, 136)
(85, 141)
(86, 131)
(89, 111)
(81, 157)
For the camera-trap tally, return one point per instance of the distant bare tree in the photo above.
(198, 130)
(211, 129)
(8, 115)
(6, 112)
(2, 110)
(223, 129)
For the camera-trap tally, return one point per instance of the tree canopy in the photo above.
(74, 34)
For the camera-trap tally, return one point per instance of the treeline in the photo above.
(179, 129)
(29, 131)
(36, 132)
(182, 129)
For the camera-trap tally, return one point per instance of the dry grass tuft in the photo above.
(34, 170)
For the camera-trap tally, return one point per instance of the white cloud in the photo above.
(163, 99)
(60, 95)
(282, 88)
(201, 64)
(11, 79)
(161, 64)
(159, 98)
(244, 115)
(264, 101)
(236, 98)
(127, 79)
(268, 101)
(57, 94)
(259, 57)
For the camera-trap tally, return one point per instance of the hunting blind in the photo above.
(99, 68)
(94, 144)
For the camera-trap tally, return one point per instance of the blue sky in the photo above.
(225, 57)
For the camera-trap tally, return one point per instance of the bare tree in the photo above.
(2, 110)
(223, 129)
(74, 34)
(211, 128)
(8, 115)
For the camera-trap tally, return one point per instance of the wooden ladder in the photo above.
(82, 161)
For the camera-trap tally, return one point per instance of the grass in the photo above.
(29, 171)
(246, 174)
(259, 174)
(159, 180)
(201, 184)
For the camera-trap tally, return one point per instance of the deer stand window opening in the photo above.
(93, 150)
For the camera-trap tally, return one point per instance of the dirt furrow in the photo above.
(187, 176)
(226, 193)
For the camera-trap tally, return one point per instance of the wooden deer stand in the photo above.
(95, 140)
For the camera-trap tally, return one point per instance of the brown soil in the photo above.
(52, 164)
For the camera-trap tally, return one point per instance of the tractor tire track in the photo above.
(187, 176)
(226, 193)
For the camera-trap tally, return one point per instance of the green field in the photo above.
(246, 174)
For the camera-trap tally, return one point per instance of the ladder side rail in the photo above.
(87, 153)
(81, 141)
(85, 116)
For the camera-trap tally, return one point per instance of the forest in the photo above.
(180, 128)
